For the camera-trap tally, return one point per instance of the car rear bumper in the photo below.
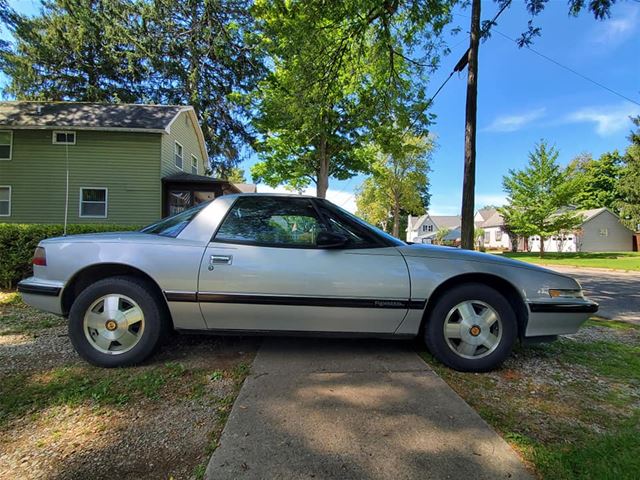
(551, 318)
(42, 294)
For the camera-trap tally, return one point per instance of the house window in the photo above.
(64, 138)
(487, 237)
(93, 202)
(427, 228)
(604, 232)
(6, 140)
(498, 235)
(178, 155)
(5, 201)
(194, 164)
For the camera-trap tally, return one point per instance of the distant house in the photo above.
(120, 164)
(600, 231)
(423, 229)
(495, 237)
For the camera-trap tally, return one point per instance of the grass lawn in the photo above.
(571, 408)
(615, 260)
(62, 418)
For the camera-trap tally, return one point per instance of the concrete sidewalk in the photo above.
(338, 409)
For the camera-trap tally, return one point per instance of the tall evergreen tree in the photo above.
(539, 194)
(195, 52)
(629, 185)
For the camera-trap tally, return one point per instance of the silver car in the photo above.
(289, 264)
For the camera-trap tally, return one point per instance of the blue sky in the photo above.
(523, 98)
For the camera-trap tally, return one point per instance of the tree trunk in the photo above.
(396, 218)
(323, 169)
(469, 181)
(541, 246)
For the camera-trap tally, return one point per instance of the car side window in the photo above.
(271, 221)
(341, 222)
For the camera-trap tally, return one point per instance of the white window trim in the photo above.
(55, 132)
(175, 154)
(106, 202)
(10, 132)
(193, 157)
(8, 214)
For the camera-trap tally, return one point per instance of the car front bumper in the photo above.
(42, 294)
(554, 318)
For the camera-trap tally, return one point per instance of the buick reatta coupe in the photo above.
(289, 264)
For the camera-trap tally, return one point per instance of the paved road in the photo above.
(354, 409)
(618, 293)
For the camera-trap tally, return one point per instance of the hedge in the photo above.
(18, 242)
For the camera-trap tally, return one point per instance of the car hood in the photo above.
(435, 251)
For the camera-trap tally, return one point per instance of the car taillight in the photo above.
(39, 257)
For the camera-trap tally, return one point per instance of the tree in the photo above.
(73, 51)
(195, 52)
(600, 8)
(441, 234)
(601, 179)
(236, 175)
(478, 237)
(539, 194)
(397, 185)
(343, 77)
(629, 184)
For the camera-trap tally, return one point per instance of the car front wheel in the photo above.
(471, 328)
(116, 322)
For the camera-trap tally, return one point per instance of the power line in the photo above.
(584, 77)
(459, 66)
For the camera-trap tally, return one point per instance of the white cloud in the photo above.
(618, 29)
(511, 123)
(608, 119)
(342, 198)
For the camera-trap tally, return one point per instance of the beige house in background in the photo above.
(601, 231)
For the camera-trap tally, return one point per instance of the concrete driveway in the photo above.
(354, 409)
(617, 292)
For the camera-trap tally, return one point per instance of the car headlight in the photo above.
(565, 293)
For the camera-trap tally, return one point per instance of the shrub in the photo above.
(18, 242)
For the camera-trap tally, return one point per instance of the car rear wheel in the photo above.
(471, 328)
(116, 322)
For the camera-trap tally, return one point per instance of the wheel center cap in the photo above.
(475, 330)
(111, 325)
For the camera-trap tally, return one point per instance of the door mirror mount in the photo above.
(331, 240)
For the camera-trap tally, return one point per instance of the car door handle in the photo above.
(221, 259)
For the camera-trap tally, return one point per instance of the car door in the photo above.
(264, 271)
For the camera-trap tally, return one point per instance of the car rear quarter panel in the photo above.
(172, 263)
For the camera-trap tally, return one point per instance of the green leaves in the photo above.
(344, 75)
(629, 183)
(538, 194)
(398, 184)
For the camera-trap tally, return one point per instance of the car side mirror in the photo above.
(331, 240)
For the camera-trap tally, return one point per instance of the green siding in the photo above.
(125, 163)
(182, 131)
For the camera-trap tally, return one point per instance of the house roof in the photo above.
(247, 187)
(486, 213)
(495, 220)
(190, 178)
(446, 221)
(440, 221)
(99, 116)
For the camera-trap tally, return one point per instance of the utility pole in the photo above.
(469, 179)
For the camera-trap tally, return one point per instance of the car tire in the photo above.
(471, 328)
(117, 322)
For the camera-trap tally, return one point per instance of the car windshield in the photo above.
(172, 226)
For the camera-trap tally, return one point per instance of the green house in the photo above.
(100, 163)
